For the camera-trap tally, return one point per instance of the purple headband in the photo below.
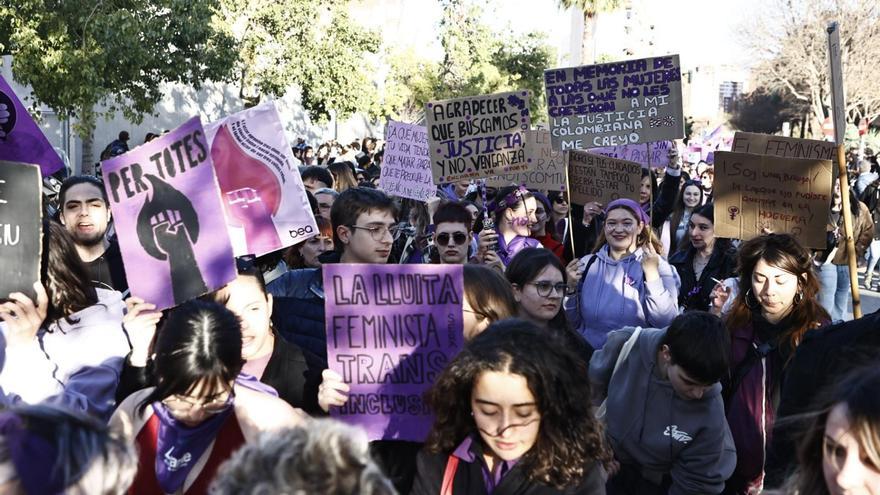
(630, 204)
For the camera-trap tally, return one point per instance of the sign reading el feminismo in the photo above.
(391, 329)
(628, 102)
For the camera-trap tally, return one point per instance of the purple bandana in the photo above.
(506, 251)
(179, 446)
(630, 204)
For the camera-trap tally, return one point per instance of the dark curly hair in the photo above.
(570, 439)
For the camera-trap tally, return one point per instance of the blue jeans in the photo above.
(873, 258)
(834, 290)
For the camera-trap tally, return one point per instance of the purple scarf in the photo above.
(179, 446)
(35, 458)
(506, 251)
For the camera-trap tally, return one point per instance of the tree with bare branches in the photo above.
(790, 44)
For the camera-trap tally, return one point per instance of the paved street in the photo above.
(870, 299)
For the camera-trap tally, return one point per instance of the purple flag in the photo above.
(266, 204)
(166, 206)
(391, 330)
(21, 140)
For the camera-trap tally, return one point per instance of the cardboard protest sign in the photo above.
(837, 92)
(786, 147)
(406, 166)
(601, 178)
(478, 136)
(21, 139)
(20, 227)
(546, 170)
(753, 192)
(166, 207)
(627, 102)
(391, 329)
(654, 154)
(261, 190)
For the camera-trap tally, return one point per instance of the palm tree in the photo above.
(590, 8)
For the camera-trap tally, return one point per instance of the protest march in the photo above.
(555, 291)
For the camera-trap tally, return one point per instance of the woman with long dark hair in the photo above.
(776, 305)
(840, 450)
(512, 415)
(675, 228)
(702, 260)
(72, 331)
(197, 415)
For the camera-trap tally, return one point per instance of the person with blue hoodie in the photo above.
(625, 282)
(663, 407)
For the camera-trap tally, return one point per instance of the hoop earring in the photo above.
(798, 297)
(747, 297)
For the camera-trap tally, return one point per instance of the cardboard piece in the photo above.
(601, 178)
(790, 195)
(166, 207)
(478, 136)
(391, 330)
(20, 227)
(546, 169)
(21, 139)
(406, 166)
(838, 103)
(781, 146)
(613, 104)
(261, 190)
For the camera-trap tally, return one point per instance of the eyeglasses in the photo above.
(458, 238)
(180, 405)
(324, 206)
(627, 226)
(545, 288)
(378, 232)
(560, 200)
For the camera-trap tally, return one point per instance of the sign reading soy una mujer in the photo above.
(391, 330)
(478, 136)
(619, 103)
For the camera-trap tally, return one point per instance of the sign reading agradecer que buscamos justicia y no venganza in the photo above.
(619, 103)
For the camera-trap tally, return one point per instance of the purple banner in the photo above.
(21, 140)
(654, 154)
(266, 204)
(391, 330)
(166, 207)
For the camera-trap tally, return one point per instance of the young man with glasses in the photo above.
(364, 228)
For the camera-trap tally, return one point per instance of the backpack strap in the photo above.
(449, 475)
(756, 353)
(580, 285)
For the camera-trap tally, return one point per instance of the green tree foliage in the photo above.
(77, 54)
(590, 9)
(308, 44)
(476, 60)
(765, 111)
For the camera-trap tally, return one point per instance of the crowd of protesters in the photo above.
(617, 348)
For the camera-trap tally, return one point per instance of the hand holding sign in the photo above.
(140, 322)
(23, 318)
(332, 391)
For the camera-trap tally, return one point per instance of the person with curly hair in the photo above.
(325, 456)
(510, 417)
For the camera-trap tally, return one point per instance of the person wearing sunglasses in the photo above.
(452, 237)
(511, 416)
(197, 415)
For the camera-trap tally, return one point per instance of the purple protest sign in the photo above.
(657, 156)
(21, 139)
(166, 207)
(262, 192)
(391, 330)
(406, 166)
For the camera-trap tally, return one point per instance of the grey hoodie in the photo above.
(688, 439)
